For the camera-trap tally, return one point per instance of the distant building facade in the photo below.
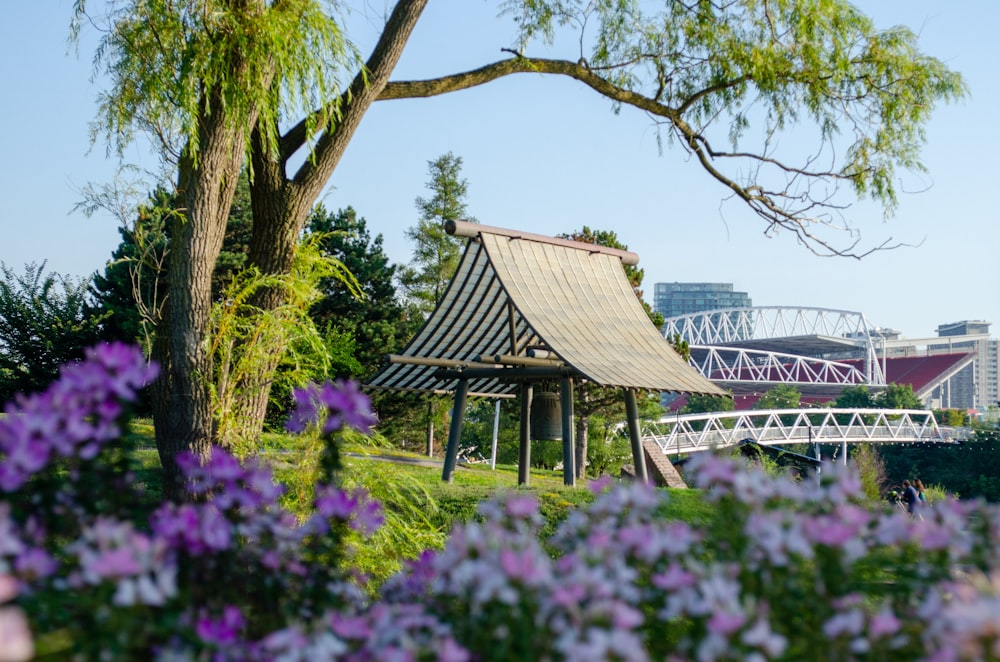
(976, 386)
(675, 299)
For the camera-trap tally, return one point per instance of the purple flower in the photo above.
(568, 595)
(522, 506)
(828, 531)
(222, 631)
(710, 470)
(334, 502)
(115, 562)
(411, 584)
(883, 624)
(347, 406)
(403, 632)
(368, 517)
(125, 369)
(140, 567)
(760, 635)
(289, 642)
(933, 536)
(350, 627)
(305, 411)
(624, 617)
(11, 543)
(725, 623)
(524, 566)
(231, 485)
(448, 650)
(599, 485)
(195, 529)
(24, 456)
(342, 402)
(361, 513)
(74, 416)
(223, 467)
(850, 623)
(673, 578)
(34, 563)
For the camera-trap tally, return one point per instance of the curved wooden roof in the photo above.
(521, 305)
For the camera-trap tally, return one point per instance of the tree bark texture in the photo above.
(183, 413)
(281, 205)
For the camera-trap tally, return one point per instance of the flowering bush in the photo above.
(781, 570)
(99, 577)
(778, 569)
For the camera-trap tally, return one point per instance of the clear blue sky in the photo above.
(550, 156)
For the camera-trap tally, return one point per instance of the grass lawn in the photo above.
(145, 460)
(452, 502)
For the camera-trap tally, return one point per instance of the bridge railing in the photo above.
(698, 432)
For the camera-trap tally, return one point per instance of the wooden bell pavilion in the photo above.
(524, 309)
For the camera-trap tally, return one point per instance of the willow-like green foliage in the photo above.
(408, 505)
(245, 338)
(871, 470)
(937, 493)
(171, 63)
(767, 65)
(408, 529)
(762, 460)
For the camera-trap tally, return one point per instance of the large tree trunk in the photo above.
(281, 205)
(182, 412)
(272, 251)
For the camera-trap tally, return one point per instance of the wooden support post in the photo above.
(455, 433)
(430, 425)
(569, 454)
(632, 417)
(496, 434)
(524, 450)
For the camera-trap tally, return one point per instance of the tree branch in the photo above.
(518, 65)
(764, 203)
(353, 104)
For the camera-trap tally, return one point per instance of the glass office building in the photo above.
(673, 299)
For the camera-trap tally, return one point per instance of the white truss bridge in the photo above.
(816, 329)
(770, 427)
(734, 364)
(727, 325)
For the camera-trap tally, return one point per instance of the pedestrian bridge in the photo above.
(770, 427)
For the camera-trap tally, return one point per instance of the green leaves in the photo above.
(436, 254)
(245, 338)
(172, 63)
(781, 101)
(45, 321)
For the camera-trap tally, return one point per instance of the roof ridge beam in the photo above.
(473, 230)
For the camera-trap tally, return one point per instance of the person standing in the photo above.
(919, 486)
(910, 498)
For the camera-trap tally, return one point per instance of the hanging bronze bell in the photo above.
(546, 416)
